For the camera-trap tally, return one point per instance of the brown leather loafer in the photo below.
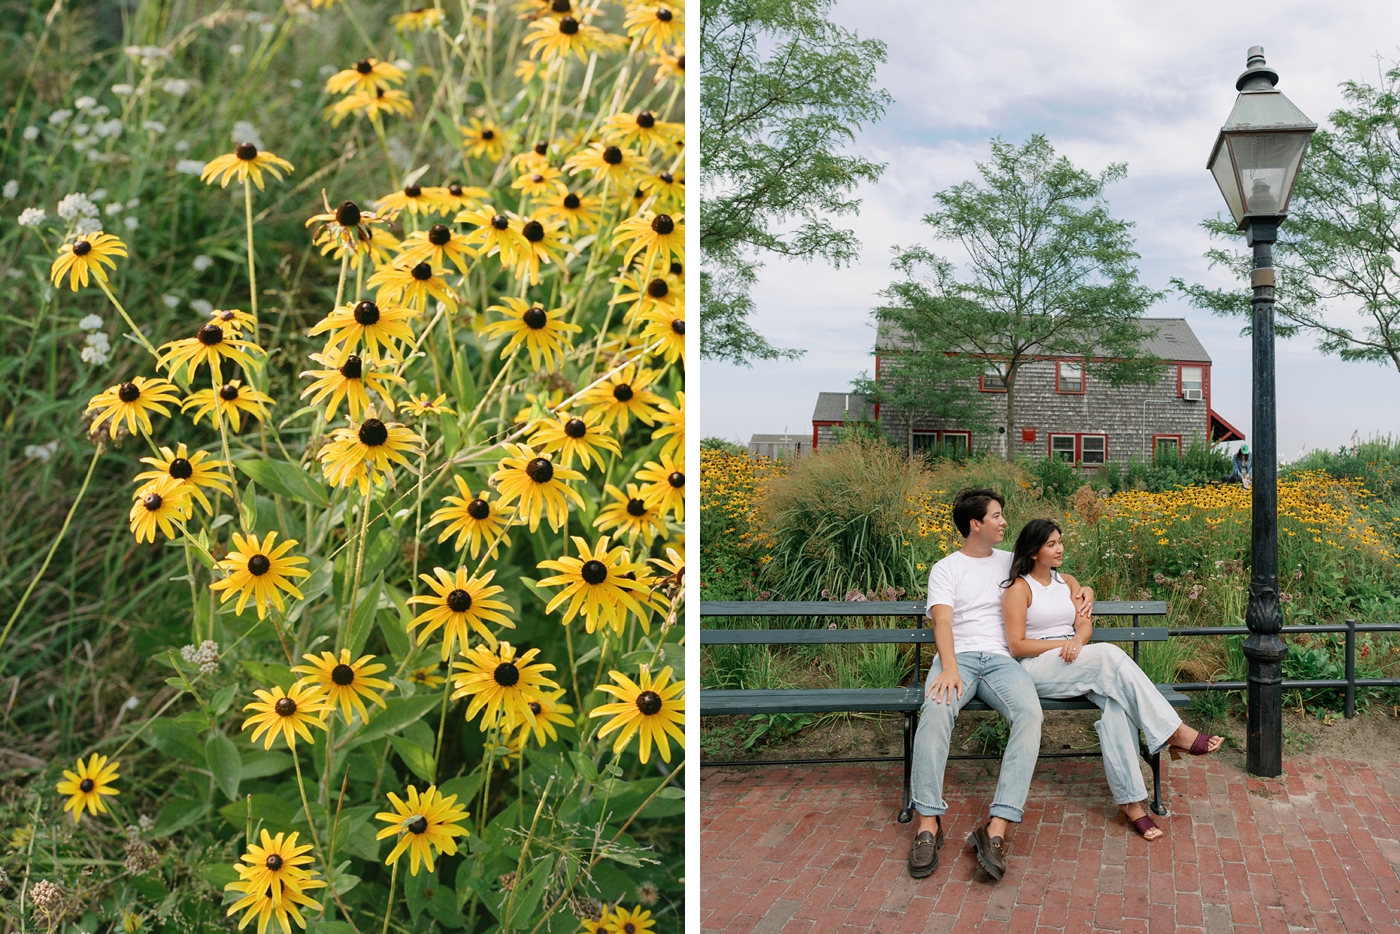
(990, 852)
(923, 855)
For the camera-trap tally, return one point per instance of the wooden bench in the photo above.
(903, 700)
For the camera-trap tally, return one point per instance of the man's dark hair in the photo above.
(972, 504)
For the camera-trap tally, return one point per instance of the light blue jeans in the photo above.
(1002, 684)
(1130, 701)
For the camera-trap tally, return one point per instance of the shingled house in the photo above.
(1062, 411)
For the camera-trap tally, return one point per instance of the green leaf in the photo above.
(378, 553)
(223, 698)
(419, 889)
(528, 892)
(220, 875)
(289, 480)
(329, 927)
(275, 811)
(671, 792)
(248, 506)
(395, 630)
(534, 587)
(365, 608)
(451, 434)
(179, 814)
(270, 674)
(174, 738)
(261, 764)
(584, 766)
(418, 759)
(399, 712)
(225, 763)
(313, 587)
(464, 787)
(443, 907)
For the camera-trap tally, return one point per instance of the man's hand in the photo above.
(1070, 650)
(1085, 599)
(945, 683)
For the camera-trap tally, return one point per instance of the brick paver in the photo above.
(818, 850)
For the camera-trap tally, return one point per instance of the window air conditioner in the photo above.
(1192, 395)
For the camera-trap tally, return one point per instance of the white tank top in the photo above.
(1051, 613)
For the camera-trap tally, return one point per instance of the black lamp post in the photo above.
(1255, 162)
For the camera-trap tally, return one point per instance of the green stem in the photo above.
(389, 908)
(129, 323)
(252, 266)
(359, 565)
(524, 850)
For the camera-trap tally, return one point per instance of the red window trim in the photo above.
(1200, 366)
(982, 387)
(1078, 437)
(1176, 438)
(1083, 378)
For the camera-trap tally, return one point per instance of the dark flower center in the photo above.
(459, 601)
(560, 6)
(657, 288)
(500, 222)
(422, 272)
(575, 428)
(571, 201)
(274, 861)
(455, 190)
(535, 708)
(478, 509)
(533, 231)
(666, 177)
(373, 433)
(612, 155)
(246, 151)
(348, 214)
(353, 368)
(151, 501)
(228, 392)
(638, 193)
(537, 178)
(676, 479)
(506, 674)
(343, 674)
(593, 572)
(678, 326)
(646, 119)
(541, 148)
(285, 707)
(636, 507)
(413, 191)
(680, 63)
(211, 334)
(87, 784)
(487, 133)
(128, 392)
(677, 268)
(664, 15)
(540, 470)
(439, 234)
(228, 315)
(366, 313)
(258, 565)
(535, 318)
(568, 26)
(180, 469)
(663, 224)
(418, 825)
(649, 703)
(82, 248)
(622, 392)
(363, 66)
(629, 928)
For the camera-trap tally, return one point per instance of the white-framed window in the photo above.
(1069, 377)
(1166, 447)
(925, 440)
(1192, 380)
(1093, 450)
(992, 379)
(956, 443)
(1063, 447)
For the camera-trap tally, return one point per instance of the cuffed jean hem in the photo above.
(1006, 812)
(925, 810)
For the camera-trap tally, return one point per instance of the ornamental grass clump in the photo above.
(355, 354)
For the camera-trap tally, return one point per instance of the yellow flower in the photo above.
(596, 582)
(473, 519)
(436, 245)
(261, 571)
(661, 235)
(233, 320)
(370, 104)
(374, 324)
(423, 823)
(483, 140)
(607, 163)
(350, 381)
(273, 881)
(494, 234)
(538, 484)
(132, 401)
(652, 708)
(244, 162)
(362, 452)
(544, 333)
(421, 405)
(344, 682)
(192, 470)
(159, 503)
(671, 421)
(657, 25)
(547, 714)
(460, 601)
(420, 19)
(578, 211)
(636, 921)
(416, 199)
(540, 241)
(551, 39)
(573, 436)
(86, 255)
(624, 395)
(232, 399)
(501, 684)
(210, 345)
(667, 188)
(369, 74)
(287, 714)
(541, 181)
(665, 485)
(428, 677)
(629, 512)
(667, 327)
(87, 785)
(412, 285)
(625, 129)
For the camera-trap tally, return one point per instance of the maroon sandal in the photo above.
(1142, 825)
(1199, 747)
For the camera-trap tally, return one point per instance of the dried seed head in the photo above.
(348, 214)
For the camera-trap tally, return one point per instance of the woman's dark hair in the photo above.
(1032, 538)
(972, 504)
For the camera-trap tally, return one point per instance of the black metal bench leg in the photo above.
(1155, 760)
(906, 813)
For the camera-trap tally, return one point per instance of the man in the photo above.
(964, 602)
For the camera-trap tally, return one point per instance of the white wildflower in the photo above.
(100, 341)
(98, 195)
(31, 217)
(200, 307)
(325, 71)
(10, 190)
(171, 301)
(245, 132)
(133, 202)
(93, 355)
(295, 83)
(189, 167)
(130, 222)
(31, 133)
(267, 28)
(147, 822)
(236, 49)
(254, 17)
(88, 225)
(182, 145)
(403, 64)
(91, 323)
(202, 262)
(41, 452)
(100, 111)
(81, 129)
(153, 126)
(206, 656)
(59, 116)
(85, 103)
(122, 90)
(108, 128)
(179, 87)
(76, 205)
(115, 207)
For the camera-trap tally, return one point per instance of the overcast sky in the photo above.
(1148, 84)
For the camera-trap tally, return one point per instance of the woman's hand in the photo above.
(949, 681)
(1070, 650)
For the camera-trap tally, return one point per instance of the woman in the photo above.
(1051, 641)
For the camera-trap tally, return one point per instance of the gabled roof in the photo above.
(843, 406)
(1174, 341)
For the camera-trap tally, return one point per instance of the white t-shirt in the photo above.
(972, 587)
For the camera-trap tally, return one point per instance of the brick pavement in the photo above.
(818, 850)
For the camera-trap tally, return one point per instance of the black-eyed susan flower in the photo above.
(629, 513)
(86, 786)
(246, 161)
(423, 824)
(537, 156)
(132, 402)
(196, 471)
(438, 245)
(361, 453)
(260, 571)
(159, 504)
(211, 345)
(607, 162)
(670, 66)
(667, 188)
(670, 422)
(345, 682)
(625, 129)
(373, 325)
(666, 327)
(541, 242)
(418, 19)
(635, 921)
(644, 293)
(233, 321)
(652, 708)
(501, 684)
(548, 713)
(578, 211)
(421, 405)
(573, 436)
(545, 334)
(346, 226)
(540, 181)
(287, 714)
(474, 520)
(595, 583)
(623, 396)
(664, 485)
(458, 601)
(550, 39)
(353, 380)
(538, 484)
(658, 25)
(428, 677)
(231, 400)
(483, 139)
(87, 254)
(415, 199)
(412, 286)
(662, 236)
(273, 880)
(494, 234)
(380, 246)
(461, 197)
(370, 104)
(366, 75)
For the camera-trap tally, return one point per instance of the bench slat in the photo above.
(903, 636)
(890, 608)
(715, 703)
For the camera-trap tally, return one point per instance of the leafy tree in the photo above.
(1049, 272)
(782, 92)
(1336, 252)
